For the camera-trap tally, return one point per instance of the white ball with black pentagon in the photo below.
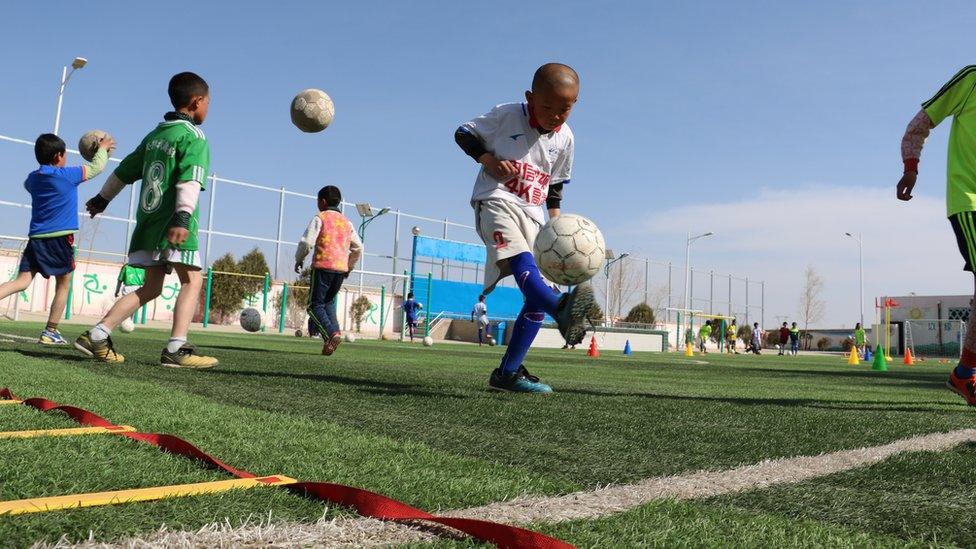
(251, 319)
(312, 110)
(88, 144)
(569, 250)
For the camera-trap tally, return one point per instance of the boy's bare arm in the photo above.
(911, 151)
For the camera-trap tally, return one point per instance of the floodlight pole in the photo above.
(78, 63)
(860, 270)
(606, 272)
(688, 264)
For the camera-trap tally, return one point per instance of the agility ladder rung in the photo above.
(70, 432)
(95, 499)
(5, 401)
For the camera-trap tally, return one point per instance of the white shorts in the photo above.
(126, 290)
(507, 231)
(167, 258)
(482, 320)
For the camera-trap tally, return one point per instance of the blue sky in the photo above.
(714, 106)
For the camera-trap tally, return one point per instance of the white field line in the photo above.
(361, 532)
(19, 337)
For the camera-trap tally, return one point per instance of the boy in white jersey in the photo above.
(526, 154)
(480, 314)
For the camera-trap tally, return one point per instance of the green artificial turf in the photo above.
(418, 424)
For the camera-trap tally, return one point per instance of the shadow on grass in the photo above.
(931, 379)
(68, 354)
(856, 405)
(363, 385)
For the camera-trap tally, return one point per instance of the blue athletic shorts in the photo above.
(49, 256)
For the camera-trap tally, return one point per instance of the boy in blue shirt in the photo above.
(411, 308)
(54, 222)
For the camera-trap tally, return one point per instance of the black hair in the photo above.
(410, 295)
(47, 147)
(481, 297)
(553, 76)
(331, 195)
(184, 86)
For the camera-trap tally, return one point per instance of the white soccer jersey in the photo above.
(510, 133)
(480, 312)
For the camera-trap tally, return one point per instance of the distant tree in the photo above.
(846, 344)
(595, 313)
(772, 338)
(298, 290)
(226, 290)
(812, 306)
(642, 313)
(823, 343)
(358, 310)
(744, 333)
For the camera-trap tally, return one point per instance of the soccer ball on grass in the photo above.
(569, 250)
(127, 326)
(428, 341)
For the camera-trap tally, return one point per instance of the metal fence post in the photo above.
(647, 280)
(284, 308)
(747, 302)
(206, 301)
(711, 290)
(281, 219)
(213, 193)
(667, 312)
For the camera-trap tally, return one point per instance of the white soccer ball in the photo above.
(350, 337)
(251, 319)
(127, 326)
(491, 342)
(312, 110)
(569, 250)
(428, 341)
(88, 144)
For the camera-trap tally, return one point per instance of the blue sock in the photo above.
(965, 372)
(523, 334)
(537, 293)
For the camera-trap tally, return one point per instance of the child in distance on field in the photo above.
(860, 339)
(337, 249)
(784, 338)
(54, 222)
(411, 308)
(172, 161)
(704, 333)
(480, 314)
(794, 339)
(731, 333)
(526, 156)
(757, 334)
(130, 279)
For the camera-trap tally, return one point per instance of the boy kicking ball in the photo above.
(526, 156)
(172, 162)
(953, 99)
(54, 222)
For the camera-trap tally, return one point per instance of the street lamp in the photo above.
(860, 269)
(366, 212)
(606, 272)
(688, 242)
(78, 63)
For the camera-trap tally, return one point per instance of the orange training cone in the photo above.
(594, 351)
(909, 359)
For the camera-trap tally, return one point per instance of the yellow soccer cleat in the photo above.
(102, 351)
(187, 357)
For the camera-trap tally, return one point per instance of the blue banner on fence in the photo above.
(451, 250)
(448, 296)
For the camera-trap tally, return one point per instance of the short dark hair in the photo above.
(410, 295)
(331, 194)
(47, 147)
(481, 297)
(184, 86)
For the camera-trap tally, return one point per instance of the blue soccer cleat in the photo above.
(519, 381)
(52, 337)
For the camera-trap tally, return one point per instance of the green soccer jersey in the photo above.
(173, 152)
(132, 276)
(859, 337)
(705, 331)
(953, 100)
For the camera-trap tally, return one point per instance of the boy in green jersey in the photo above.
(953, 99)
(172, 161)
(704, 333)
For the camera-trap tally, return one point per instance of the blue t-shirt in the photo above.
(54, 199)
(411, 307)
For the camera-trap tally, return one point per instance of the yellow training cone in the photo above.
(853, 359)
(689, 351)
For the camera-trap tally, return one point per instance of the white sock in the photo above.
(175, 343)
(99, 332)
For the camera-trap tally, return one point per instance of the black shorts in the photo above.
(49, 256)
(964, 225)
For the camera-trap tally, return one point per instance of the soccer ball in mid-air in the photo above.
(569, 249)
(350, 337)
(428, 341)
(127, 326)
(88, 144)
(312, 110)
(251, 319)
